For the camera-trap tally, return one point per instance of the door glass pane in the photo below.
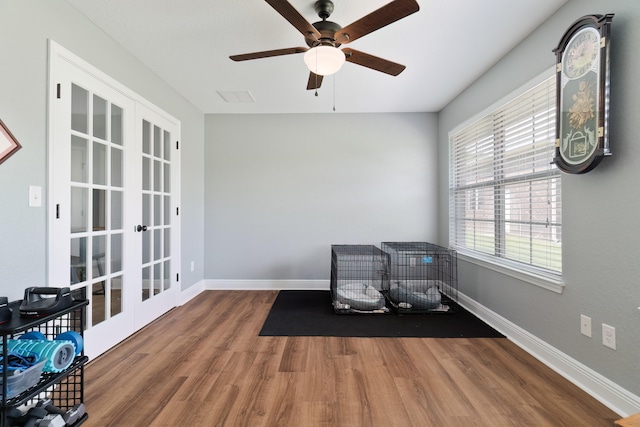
(167, 145)
(99, 210)
(146, 137)
(78, 159)
(98, 256)
(79, 293)
(157, 210)
(99, 117)
(116, 295)
(116, 124)
(146, 247)
(79, 209)
(157, 244)
(116, 253)
(167, 210)
(99, 163)
(146, 173)
(146, 283)
(116, 210)
(78, 260)
(167, 178)
(116, 167)
(98, 303)
(157, 171)
(79, 109)
(157, 276)
(157, 141)
(167, 275)
(146, 209)
(167, 240)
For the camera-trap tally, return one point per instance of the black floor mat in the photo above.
(310, 313)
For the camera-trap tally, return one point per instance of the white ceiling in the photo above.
(445, 46)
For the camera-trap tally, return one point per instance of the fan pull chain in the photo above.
(334, 92)
(316, 72)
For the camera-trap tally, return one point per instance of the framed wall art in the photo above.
(582, 94)
(8, 143)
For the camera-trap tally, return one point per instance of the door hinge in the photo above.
(58, 91)
(177, 277)
(177, 145)
(177, 211)
(57, 210)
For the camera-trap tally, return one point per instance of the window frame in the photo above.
(545, 278)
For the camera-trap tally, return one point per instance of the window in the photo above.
(505, 195)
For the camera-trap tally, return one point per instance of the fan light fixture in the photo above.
(324, 60)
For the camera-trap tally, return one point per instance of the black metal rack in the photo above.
(66, 388)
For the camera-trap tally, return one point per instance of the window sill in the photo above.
(556, 286)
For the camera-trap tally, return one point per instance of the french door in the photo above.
(158, 268)
(113, 234)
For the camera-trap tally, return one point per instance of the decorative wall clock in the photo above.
(8, 143)
(582, 94)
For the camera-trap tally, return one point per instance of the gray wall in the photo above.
(280, 189)
(25, 27)
(600, 209)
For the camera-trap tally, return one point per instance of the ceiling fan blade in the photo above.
(377, 19)
(373, 62)
(315, 81)
(268, 53)
(288, 12)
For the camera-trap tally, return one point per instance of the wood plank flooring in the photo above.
(203, 364)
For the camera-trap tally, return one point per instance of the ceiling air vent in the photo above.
(236, 96)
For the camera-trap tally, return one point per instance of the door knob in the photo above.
(141, 228)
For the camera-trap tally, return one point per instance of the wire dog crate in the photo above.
(423, 277)
(358, 277)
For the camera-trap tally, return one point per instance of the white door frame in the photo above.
(58, 57)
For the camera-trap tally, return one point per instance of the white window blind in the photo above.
(505, 196)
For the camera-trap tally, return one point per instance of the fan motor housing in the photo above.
(327, 30)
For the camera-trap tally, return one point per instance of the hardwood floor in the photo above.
(203, 364)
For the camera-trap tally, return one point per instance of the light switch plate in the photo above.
(35, 196)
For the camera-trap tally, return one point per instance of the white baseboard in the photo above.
(618, 399)
(256, 285)
(191, 292)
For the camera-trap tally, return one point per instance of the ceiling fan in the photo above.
(324, 37)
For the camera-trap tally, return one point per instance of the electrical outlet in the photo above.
(609, 336)
(585, 325)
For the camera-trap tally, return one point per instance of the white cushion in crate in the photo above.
(419, 295)
(372, 292)
(360, 296)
